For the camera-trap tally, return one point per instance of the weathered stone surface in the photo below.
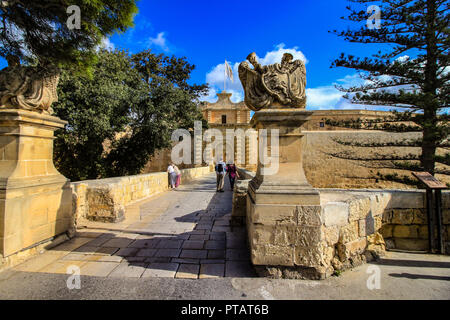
(349, 232)
(419, 216)
(423, 232)
(309, 215)
(411, 244)
(379, 203)
(319, 255)
(350, 249)
(366, 226)
(376, 244)
(402, 216)
(407, 199)
(401, 231)
(387, 230)
(269, 214)
(265, 254)
(359, 209)
(336, 213)
(331, 235)
(239, 210)
(387, 215)
(309, 236)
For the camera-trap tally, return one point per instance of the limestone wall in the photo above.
(105, 199)
(323, 170)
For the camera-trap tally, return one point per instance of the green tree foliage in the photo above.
(123, 114)
(38, 30)
(410, 71)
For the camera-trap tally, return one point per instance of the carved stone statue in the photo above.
(281, 85)
(29, 88)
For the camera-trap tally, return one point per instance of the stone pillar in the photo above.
(283, 210)
(36, 200)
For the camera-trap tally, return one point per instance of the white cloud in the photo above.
(160, 41)
(322, 97)
(275, 56)
(106, 44)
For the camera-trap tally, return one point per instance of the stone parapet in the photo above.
(349, 227)
(105, 199)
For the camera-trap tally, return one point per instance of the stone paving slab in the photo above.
(129, 270)
(188, 271)
(98, 269)
(164, 270)
(213, 270)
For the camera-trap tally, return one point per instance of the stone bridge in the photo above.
(186, 234)
(183, 234)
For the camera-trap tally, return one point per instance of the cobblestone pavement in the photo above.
(178, 234)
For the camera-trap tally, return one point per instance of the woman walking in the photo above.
(178, 173)
(172, 175)
(232, 174)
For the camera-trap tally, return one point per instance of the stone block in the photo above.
(387, 216)
(331, 235)
(366, 226)
(269, 214)
(379, 203)
(316, 256)
(265, 254)
(387, 230)
(402, 216)
(407, 199)
(349, 249)
(308, 236)
(335, 214)
(309, 215)
(349, 232)
(411, 231)
(359, 209)
(419, 216)
(275, 235)
(423, 232)
(411, 244)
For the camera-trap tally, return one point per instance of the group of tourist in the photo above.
(174, 176)
(221, 168)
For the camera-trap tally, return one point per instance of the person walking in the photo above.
(178, 178)
(172, 175)
(232, 174)
(220, 174)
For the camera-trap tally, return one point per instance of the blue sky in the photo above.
(208, 32)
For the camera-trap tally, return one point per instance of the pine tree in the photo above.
(410, 73)
(46, 32)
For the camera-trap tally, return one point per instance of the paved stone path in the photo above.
(178, 234)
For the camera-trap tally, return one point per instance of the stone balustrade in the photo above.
(105, 199)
